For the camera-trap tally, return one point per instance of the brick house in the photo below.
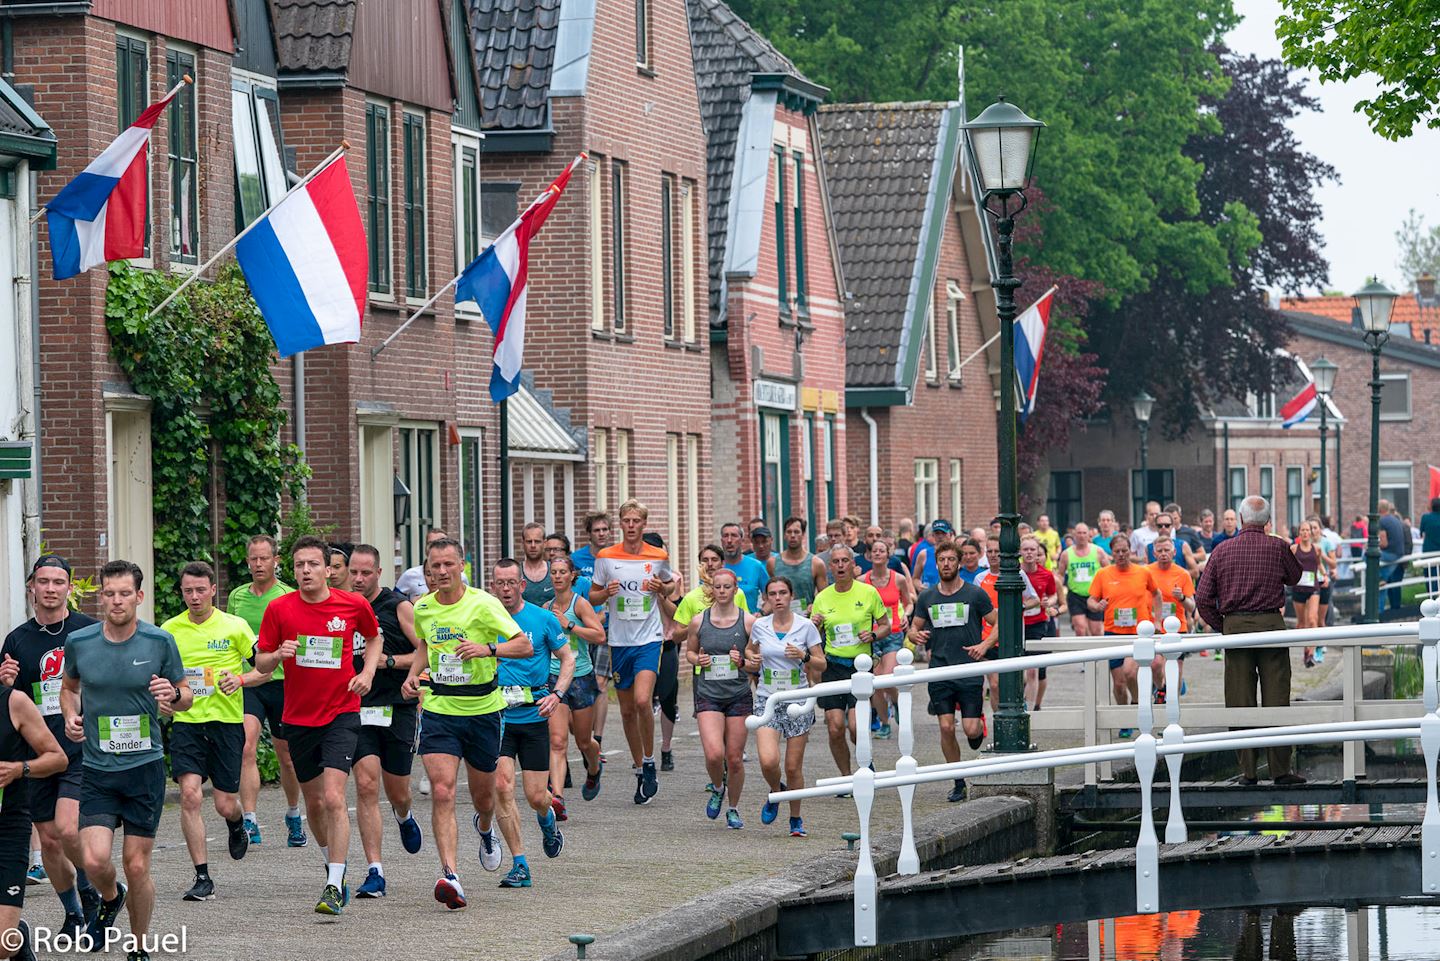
(616, 289)
(921, 423)
(777, 335)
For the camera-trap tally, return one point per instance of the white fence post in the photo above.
(1175, 832)
(909, 862)
(1147, 846)
(862, 685)
(1144, 654)
(1430, 745)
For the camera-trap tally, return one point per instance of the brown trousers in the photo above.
(1270, 666)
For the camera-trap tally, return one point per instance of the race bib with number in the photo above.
(124, 733)
(721, 667)
(845, 633)
(319, 651)
(202, 680)
(1167, 608)
(1124, 617)
(633, 607)
(797, 605)
(516, 696)
(1084, 575)
(451, 669)
(377, 716)
(949, 615)
(47, 696)
(781, 680)
(1307, 579)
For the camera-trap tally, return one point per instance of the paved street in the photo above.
(620, 863)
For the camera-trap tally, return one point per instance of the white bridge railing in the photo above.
(1144, 751)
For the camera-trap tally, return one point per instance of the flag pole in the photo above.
(505, 510)
(375, 351)
(35, 217)
(193, 276)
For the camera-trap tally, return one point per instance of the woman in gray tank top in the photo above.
(715, 645)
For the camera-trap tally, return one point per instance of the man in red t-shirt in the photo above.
(314, 630)
(1039, 623)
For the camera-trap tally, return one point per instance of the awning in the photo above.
(537, 433)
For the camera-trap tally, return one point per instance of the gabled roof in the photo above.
(731, 60)
(514, 42)
(314, 36)
(891, 168)
(1412, 315)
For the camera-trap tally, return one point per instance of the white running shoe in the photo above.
(491, 851)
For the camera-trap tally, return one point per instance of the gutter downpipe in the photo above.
(874, 457)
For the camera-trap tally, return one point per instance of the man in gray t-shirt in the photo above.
(121, 715)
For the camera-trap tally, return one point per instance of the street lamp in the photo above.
(1374, 302)
(1143, 404)
(1323, 372)
(1001, 146)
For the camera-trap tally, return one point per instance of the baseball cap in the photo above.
(942, 527)
(761, 532)
(653, 539)
(49, 560)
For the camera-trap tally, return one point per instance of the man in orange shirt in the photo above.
(1125, 591)
(1177, 599)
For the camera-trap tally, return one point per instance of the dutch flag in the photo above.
(1030, 330)
(1299, 407)
(496, 281)
(306, 263)
(100, 215)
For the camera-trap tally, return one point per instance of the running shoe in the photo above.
(1159, 696)
(109, 911)
(238, 841)
(883, 732)
(73, 926)
(449, 892)
(140, 955)
(295, 828)
(770, 810)
(26, 951)
(330, 902)
(640, 796)
(874, 723)
(425, 784)
(89, 902)
(667, 760)
(553, 841)
(1126, 733)
(591, 789)
(714, 802)
(202, 890)
(1183, 687)
(491, 852)
(957, 793)
(253, 829)
(648, 781)
(373, 886)
(1320, 655)
(732, 820)
(797, 828)
(557, 804)
(519, 877)
(36, 875)
(410, 837)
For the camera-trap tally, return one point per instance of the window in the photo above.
(472, 501)
(667, 254)
(180, 151)
(132, 96)
(782, 282)
(617, 242)
(602, 469)
(807, 470)
(259, 149)
(1063, 501)
(800, 279)
(957, 490)
(689, 197)
(597, 246)
(953, 296)
(1395, 485)
(642, 34)
(1267, 485)
(1159, 485)
(467, 200)
(1294, 497)
(672, 493)
(1261, 405)
(692, 498)
(927, 489)
(499, 206)
(419, 456)
(377, 486)
(1238, 487)
(623, 441)
(377, 194)
(414, 159)
(774, 469)
(828, 439)
(1394, 396)
(932, 368)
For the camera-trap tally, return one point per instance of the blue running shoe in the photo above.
(519, 877)
(883, 732)
(295, 825)
(770, 810)
(36, 875)
(649, 783)
(714, 802)
(732, 820)
(410, 837)
(874, 723)
(373, 885)
(252, 829)
(797, 828)
(553, 841)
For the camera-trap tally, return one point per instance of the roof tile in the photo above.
(515, 52)
(313, 35)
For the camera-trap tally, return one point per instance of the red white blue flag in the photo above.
(1030, 328)
(496, 281)
(1298, 408)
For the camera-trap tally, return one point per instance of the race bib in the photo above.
(1083, 575)
(450, 669)
(844, 634)
(721, 667)
(1167, 608)
(781, 680)
(124, 733)
(1307, 579)
(1124, 617)
(949, 615)
(797, 605)
(202, 680)
(633, 607)
(517, 696)
(377, 716)
(47, 696)
(318, 651)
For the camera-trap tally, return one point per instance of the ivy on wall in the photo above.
(204, 363)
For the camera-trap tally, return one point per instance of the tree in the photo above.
(1419, 248)
(1393, 42)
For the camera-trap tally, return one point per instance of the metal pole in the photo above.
(1144, 469)
(505, 519)
(1372, 538)
(1012, 723)
(1225, 476)
(1324, 489)
(1338, 514)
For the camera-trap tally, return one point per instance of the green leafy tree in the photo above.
(1395, 43)
(1419, 247)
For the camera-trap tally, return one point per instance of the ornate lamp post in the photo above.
(1323, 372)
(1374, 301)
(1001, 144)
(1143, 404)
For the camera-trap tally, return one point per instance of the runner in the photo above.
(804, 570)
(948, 619)
(524, 726)
(972, 552)
(597, 529)
(762, 546)
(633, 580)
(750, 573)
(207, 741)
(557, 545)
(33, 660)
(1306, 593)
(412, 583)
(1328, 542)
(1177, 599)
(460, 632)
(338, 575)
(314, 629)
(1125, 592)
(666, 699)
(989, 582)
(1079, 563)
(852, 616)
(265, 703)
(576, 710)
(1107, 528)
(1049, 539)
(895, 591)
(389, 723)
(124, 669)
(536, 570)
(715, 645)
(791, 652)
(1038, 621)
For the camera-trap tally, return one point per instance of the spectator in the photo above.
(1242, 590)
(1392, 548)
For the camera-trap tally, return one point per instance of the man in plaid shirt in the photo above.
(1241, 591)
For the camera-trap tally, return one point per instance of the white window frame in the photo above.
(1260, 472)
(436, 487)
(689, 198)
(1244, 470)
(932, 353)
(595, 182)
(1399, 376)
(957, 489)
(377, 483)
(460, 141)
(1292, 472)
(953, 298)
(1409, 485)
(672, 489)
(624, 444)
(478, 434)
(602, 468)
(692, 503)
(927, 489)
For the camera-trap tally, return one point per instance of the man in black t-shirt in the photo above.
(385, 749)
(32, 661)
(947, 618)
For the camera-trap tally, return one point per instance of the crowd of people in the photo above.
(353, 678)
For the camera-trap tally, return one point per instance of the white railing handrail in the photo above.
(1145, 751)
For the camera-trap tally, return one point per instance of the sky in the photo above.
(1380, 180)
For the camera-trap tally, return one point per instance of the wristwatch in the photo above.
(175, 698)
(494, 650)
(806, 658)
(390, 662)
(25, 769)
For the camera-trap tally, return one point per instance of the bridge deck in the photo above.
(1123, 796)
(1373, 865)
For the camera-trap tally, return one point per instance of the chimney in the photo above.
(1425, 291)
